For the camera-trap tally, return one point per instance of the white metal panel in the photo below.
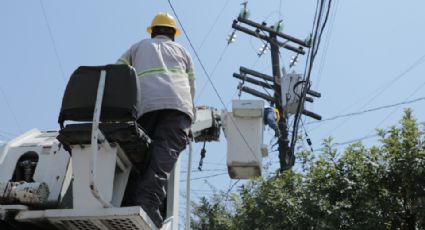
(52, 160)
(105, 176)
(244, 134)
(52, 166)
(203, 119)
(289, 94)
(248, 108)
(8, 160)
(82, 196)
(122, 172)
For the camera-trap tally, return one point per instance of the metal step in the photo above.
(92, 219)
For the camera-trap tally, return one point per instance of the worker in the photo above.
(271, 118)
(166, 77)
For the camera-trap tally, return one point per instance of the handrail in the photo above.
(94, 140)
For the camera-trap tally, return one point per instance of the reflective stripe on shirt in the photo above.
(178, 71)
(123, 61)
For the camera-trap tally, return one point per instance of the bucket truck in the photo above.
(75, 178)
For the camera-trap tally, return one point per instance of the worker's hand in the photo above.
(190, 134)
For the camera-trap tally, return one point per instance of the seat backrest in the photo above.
(120, 99)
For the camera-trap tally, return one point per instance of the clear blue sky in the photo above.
(367, 48)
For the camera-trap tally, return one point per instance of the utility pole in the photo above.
(284, 150)
(270, 35)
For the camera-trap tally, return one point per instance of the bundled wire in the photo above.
(319, 24)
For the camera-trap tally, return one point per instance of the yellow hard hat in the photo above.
(276, 111)
(163, 19)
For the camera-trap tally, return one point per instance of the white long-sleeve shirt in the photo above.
(166, 75)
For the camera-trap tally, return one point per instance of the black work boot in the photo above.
(154, 214)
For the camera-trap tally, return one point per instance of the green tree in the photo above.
(381, 187)
(212, 214)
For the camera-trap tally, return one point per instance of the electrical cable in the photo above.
(212, 72)
(4, 139)
(323, 27)
(310, 61)
(280, 9)
(52, 40)
(230, 189)
(10, 110)
(368, 110)
(252, 47)
(327, 42)
(418, 62)
(308, 139)
(393, 111)
(398, 77)
(204, 191)
(213, 163)
(206, 177)
(7, 135)
(213, 25)
(355, 140)
(214, 88)
(205, 170)
(57, 58)
(220, 57)
(196, 53)
(210, 80)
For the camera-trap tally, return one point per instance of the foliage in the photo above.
(381, 187)
(212, 214)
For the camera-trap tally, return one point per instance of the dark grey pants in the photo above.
(169, 131)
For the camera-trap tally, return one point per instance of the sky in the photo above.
(372, 55)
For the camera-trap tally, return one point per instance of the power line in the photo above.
(355, 140)
(52, 40)
(280, 9)
(5, 138)
(213, 163)
(336, 144)
(196, 53)
(220, 57)
(7, 135)
(205, 177)
(323, 26)
(57, 57)
(203, 190)
(317, 23)
(392, 112)
(396, 78)
(327, 42)
(213, 25)
(307, 68)
(10, 110)
(368, 110)
(205, 170)
(231, 188)
(209, 79)
(212, 72)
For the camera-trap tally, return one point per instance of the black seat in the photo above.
(119, 111)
